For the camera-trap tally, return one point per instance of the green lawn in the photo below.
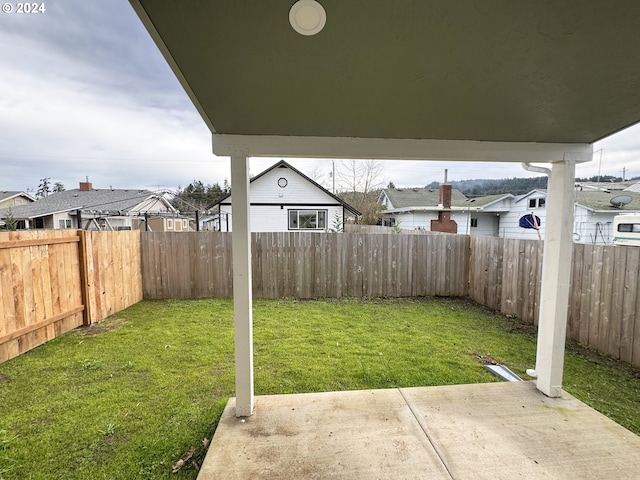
(127, 398)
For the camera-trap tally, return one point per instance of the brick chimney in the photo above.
(86, 186)
(444, 222)
(444, 195)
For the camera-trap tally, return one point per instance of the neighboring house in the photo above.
(532, 203)
(91, 209)
(499, 215)
(14, 199)
(284, 199)
(167, 224)
(593, 214)
(11, 199)
(417, 208)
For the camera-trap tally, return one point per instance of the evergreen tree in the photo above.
(10, 222)
(44, 189)
(197, 196)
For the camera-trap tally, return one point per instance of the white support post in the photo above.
(242, 294)
(556, 276)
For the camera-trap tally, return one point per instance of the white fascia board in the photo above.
(429, 209)
(399, 149)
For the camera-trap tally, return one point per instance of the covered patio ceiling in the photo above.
(497, 70)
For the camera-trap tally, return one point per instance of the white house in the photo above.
(594, 211)
(500, 215)
(416, 208)
(91, 209)
(284, 199)
(532, 203)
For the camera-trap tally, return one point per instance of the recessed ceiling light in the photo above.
(307, 17)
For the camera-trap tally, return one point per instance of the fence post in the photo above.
(84, 246)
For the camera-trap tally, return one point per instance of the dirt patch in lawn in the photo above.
(100, 328)
(3, 378)
(485, 359)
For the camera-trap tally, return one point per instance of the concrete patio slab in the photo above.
(510, 430)
(481, 431)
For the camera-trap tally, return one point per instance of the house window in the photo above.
(307, 219)
(184, 224)
(169, 224)
(537, 202)
(64, 223)
(474, 222)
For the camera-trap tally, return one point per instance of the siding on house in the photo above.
(509, 221)
(272, 218)
(592, 227)
(274, 193)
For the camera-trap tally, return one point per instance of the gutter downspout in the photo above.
(533, 168)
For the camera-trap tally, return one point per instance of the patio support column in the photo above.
(556, 276)
(242, 295)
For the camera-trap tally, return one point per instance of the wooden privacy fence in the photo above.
(604, 296)
(52, 281)
(306, 265)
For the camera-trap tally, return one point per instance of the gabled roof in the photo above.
(86, 200)
(421, 197)
(283, 164)
(489, 200)
(6, 195)
(519, 198)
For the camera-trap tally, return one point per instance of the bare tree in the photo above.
(359, 182)
(359, 175)
(318, 175)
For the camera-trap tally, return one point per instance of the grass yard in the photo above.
(127, 398)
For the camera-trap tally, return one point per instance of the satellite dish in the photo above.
(620, 201)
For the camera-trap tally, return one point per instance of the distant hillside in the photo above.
(481, 187)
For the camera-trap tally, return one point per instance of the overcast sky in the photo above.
(85, 92)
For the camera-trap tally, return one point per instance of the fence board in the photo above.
(585, 298)
(620, 257)
(628, 318)
(575, 296)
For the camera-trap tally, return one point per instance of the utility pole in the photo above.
(333, 175)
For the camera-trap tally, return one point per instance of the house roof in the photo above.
(488, 200)
(600, 201)
(496, 70)
(597, 200)
(635, 187)
(284, 164)
(84, 200)
(7, 194)
(421, 197)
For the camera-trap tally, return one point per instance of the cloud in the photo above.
(85, 92)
